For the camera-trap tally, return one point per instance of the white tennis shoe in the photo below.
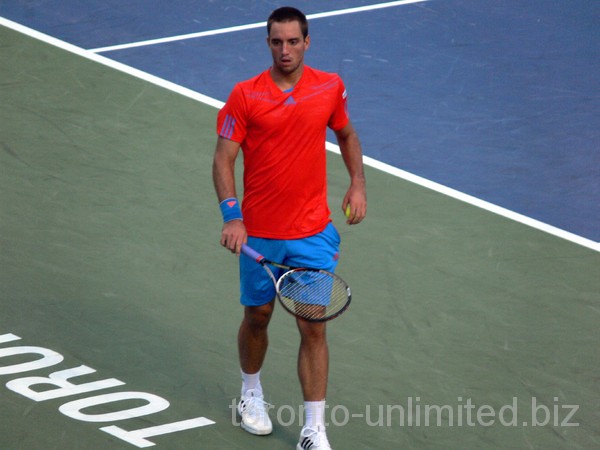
(313, 439)
(254, 412)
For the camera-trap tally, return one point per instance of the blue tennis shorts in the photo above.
(319, 251)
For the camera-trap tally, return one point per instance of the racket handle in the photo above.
(251, 253)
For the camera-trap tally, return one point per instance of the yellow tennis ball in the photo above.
(348, 210)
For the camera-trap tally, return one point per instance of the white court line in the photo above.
(330, 146)
(248, 27)
(110, 63)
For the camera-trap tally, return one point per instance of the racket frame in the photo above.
(264, 262)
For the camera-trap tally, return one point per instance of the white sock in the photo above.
(315, 412)
(251, 381)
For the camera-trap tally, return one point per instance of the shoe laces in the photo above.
(254, 404)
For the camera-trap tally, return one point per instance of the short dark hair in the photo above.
(288, 14)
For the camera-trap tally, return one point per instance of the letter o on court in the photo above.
(49, 358)
(73, 409)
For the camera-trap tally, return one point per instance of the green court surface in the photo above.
(466, 331)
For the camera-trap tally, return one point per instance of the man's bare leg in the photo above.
(313, 360)
(253, 339)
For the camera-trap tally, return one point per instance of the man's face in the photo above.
(287, 46)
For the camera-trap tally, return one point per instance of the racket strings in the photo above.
(312, 294)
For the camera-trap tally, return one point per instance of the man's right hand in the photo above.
(234, 235)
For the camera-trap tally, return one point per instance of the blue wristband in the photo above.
(230, 209)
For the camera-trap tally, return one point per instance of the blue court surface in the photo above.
(498, 100)
(476, 276)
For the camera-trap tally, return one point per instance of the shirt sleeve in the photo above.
(340, 117)
(231, 120)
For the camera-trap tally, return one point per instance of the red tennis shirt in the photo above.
(282, 136)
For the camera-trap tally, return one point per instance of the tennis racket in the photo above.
(314, 295)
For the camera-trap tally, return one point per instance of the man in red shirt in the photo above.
(279, 119)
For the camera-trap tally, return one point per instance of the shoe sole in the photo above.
(256, 432)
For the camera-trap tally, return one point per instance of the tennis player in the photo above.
(279, 119)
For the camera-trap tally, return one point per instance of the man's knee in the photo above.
(312, 331)
(258, 316)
